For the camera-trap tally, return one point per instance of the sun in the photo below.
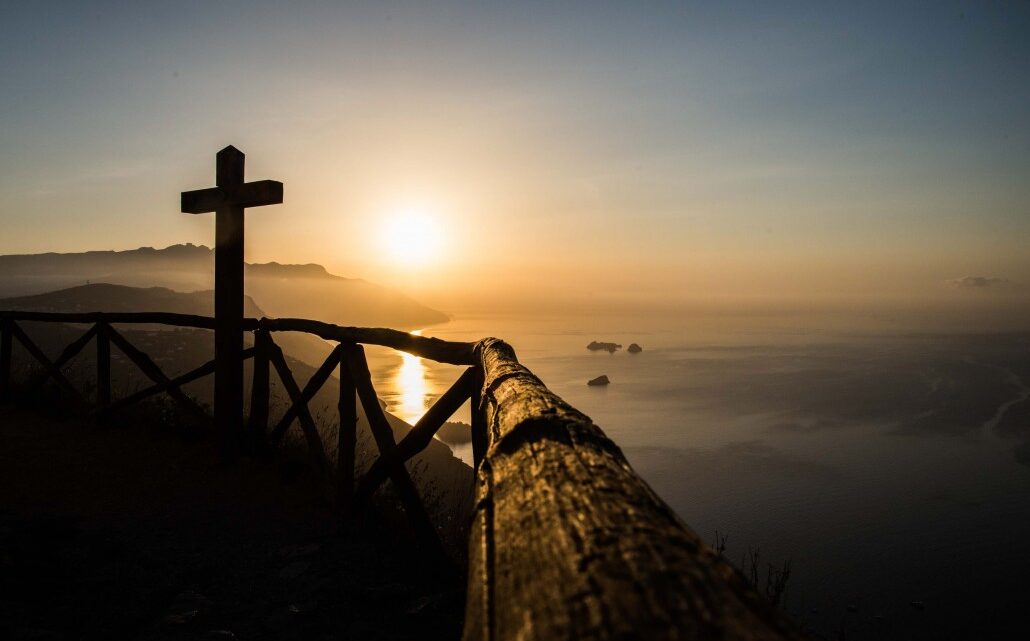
(411, 236)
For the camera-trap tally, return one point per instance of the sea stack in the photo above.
(595, 346)
(634, 348)
(600, 380)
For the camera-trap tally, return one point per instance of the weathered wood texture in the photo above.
(568, 542)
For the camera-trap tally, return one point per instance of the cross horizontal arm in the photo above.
(252, 194)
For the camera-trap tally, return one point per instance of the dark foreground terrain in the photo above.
(138, 532)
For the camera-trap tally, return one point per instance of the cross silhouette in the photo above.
(228, 199)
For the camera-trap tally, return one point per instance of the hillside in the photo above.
(444, 479)
(306, 291)
(141, 533)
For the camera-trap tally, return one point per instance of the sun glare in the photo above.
(410, 381)
(412, 237)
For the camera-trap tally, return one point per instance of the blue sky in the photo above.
(670, 147)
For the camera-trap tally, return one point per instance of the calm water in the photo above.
(886, 467)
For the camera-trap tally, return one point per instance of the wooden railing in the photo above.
(355, 382)
(567, 541)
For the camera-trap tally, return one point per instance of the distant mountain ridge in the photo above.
(307, 291)
(122, 298)
(186, 256)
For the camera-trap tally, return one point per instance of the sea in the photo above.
(889, 469)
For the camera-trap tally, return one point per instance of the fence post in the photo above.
(5, 359)
(479, 439)
(103, 366)
(346, 440)
(259, 392)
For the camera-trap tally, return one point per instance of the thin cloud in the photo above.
(979, 282)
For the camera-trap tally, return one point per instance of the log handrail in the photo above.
(435, 349)
(450, 352)
(568, 542)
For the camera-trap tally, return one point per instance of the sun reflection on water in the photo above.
(411, 386)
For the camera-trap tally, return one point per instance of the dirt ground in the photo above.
(133, 532)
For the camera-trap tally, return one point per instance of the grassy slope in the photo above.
(137, 532)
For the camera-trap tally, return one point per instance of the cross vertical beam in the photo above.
(228, 199)
(229, 303)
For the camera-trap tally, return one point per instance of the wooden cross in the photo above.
(228, 200)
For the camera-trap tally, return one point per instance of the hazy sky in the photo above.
(615, 151)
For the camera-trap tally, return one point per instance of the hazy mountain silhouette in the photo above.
(105, 297)
(306, 291)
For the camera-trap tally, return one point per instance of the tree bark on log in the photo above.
(568, 542)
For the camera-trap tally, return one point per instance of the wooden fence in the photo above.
(567, 542)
